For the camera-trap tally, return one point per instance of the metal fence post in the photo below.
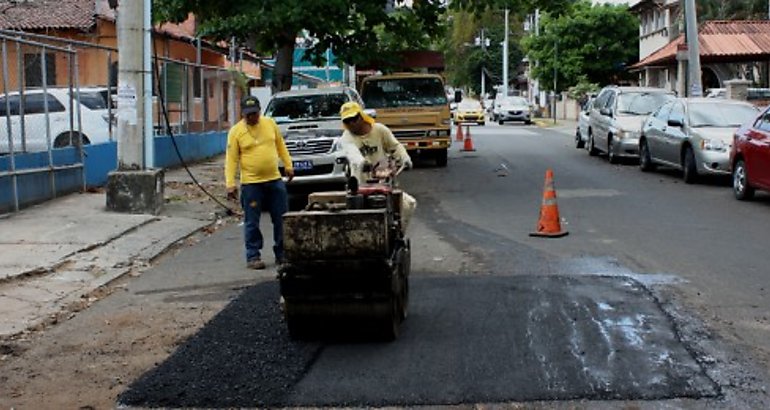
(79, 145)
(14, 178)
(20, 75)
(44, 72)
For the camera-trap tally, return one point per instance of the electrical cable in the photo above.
(162, 102)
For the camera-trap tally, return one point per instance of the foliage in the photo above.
(582, 89)
(466, 60)
(357, 30)
(597, 41)
(732, 10)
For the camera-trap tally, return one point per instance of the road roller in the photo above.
(347, 259)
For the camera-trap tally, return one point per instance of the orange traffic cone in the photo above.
(459, 134)
(468, 146)
(549, 225)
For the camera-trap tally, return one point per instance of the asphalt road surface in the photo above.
(656, 296)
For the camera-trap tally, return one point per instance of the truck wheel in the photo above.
(441, 158)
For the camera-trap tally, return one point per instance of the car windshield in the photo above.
(305, 107)
(515, 101)
(641, 103)
(469, 105)
(720, 115)
(404, 92)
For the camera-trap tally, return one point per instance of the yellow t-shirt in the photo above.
(256, 149)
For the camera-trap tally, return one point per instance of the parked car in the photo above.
(309, 120)
(616, 118)
(469, 110)
(512, 109)
(581, 131)
(693, 135)
(750, 157)
(93, 117)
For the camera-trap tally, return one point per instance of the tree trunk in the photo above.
(284, 63)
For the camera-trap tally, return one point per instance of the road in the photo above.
(656, 298)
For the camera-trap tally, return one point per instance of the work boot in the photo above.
(255, 264)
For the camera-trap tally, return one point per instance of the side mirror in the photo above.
(606, 112)
(371, 112)
(675, 122)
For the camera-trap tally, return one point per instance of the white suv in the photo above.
(310, 122)
(93, 114)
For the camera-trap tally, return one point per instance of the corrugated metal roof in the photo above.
(47, 14)
(720, 39)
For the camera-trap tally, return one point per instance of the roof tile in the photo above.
(47, 14)
(718, 39)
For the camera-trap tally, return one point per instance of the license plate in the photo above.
(302, 165)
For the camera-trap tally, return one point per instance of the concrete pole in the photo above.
(146, 96)
(131, 85)
(133, 187)
(693, 49)
(505, 56)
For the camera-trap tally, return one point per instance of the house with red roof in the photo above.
(734, 49)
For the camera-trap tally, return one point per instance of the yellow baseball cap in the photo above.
(350, 109)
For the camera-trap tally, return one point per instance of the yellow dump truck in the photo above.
(414, 106)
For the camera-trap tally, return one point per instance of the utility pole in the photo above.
(693, 49)
(134, 187)
(555, 73)
(505, 56)
(483, 42)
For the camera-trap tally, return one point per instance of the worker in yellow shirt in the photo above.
(254, 146)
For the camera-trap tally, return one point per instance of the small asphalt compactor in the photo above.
(347, 260)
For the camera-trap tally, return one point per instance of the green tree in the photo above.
(357, 30)
(594, 41)
(465, 59)
(732, 10)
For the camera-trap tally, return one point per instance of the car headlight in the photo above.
(445, 121)
(336, 146)
(713, 145)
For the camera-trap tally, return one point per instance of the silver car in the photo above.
(694, 135)
(309, 120)
(616, 119)
(512, 109)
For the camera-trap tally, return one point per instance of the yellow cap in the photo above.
(350, 109)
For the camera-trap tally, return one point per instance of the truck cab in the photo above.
(415, 108)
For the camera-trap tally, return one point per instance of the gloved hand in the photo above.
(232, 194)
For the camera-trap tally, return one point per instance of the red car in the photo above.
(750, 157)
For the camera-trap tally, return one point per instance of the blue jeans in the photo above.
(268, 196)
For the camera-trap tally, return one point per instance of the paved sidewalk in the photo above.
(55, 255)
(561, 126)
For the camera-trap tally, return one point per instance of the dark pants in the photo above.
(265, 196)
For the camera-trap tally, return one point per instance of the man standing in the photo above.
(254, 146)
(365, 140)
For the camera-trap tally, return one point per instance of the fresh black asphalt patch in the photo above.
(467, 340)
